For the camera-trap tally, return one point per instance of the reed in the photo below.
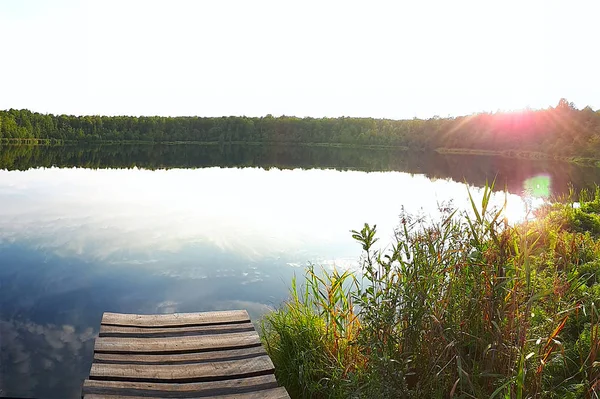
(467, 306)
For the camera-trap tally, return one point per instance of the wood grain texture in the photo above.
(176, 319)
(177, 344)
(274, 393)
(183, 373)
(185, 355)
(210, 388)
(137, 332)
(198, 357)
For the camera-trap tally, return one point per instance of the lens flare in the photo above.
(538, 186)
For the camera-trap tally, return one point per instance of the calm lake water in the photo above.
(180, 229)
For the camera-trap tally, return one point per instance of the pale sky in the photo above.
(395, 59)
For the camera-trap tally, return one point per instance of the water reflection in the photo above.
(77, 242)
(135, 216)
(509, 173)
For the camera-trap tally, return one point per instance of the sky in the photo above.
(393, 59)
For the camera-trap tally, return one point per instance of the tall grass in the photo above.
(464, 307)
(312, 337)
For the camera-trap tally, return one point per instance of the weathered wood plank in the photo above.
(177, 344)
(187, 355)
(198, 357)
(177, 319)
(183, 373)
(137, 332)
(275, 393)
(211, 388)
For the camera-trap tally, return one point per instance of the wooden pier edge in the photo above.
(181, 355)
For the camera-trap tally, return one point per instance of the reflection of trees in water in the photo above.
(512, 173)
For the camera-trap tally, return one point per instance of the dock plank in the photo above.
(177, 344)
(185, 355)
(137, 332)
(198, 357)
(176, 319)
(175, 390)
(274, 393)
(183, 372)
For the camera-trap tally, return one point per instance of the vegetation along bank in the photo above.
(465, 307)
(561, 132)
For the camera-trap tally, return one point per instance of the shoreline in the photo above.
(521, 154)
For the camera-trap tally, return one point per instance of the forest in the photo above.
(561, 131)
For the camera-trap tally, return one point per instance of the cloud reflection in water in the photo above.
(77, 242)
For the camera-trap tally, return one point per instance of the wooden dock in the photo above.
(185, 355)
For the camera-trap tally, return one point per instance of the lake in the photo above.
(159, 229)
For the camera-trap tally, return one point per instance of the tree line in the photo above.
(562, 130)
